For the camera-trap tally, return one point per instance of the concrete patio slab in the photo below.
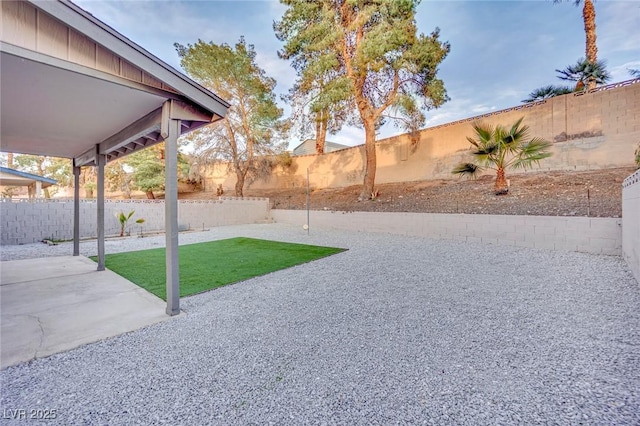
(55, 304)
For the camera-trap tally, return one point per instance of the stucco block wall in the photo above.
(226, 211)
(631, 222)
(33, 221)
(589, 235)
(589, 131)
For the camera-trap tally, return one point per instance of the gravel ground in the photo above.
(395, 330)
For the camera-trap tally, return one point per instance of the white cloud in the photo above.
(156, 25)
(277, 68)
(349, 135)
(618, 24)
(621, 72)
(276, 9)
(481, 109)
(452, 111)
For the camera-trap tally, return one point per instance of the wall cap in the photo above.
(632, 180)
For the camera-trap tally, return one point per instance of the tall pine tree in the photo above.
(375, 56)
(251, 127)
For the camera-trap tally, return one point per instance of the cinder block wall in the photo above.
(589, 131)
(32, 221)
(584, 234)
(631, 222)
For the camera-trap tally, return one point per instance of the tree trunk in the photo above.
(321, 131)
(370, 160)
(150, 195)
(10, 160)
(240, 175)
(239, 186)
(126, 187)
(589, 17)
(501, 187)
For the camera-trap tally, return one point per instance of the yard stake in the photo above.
(308, 201)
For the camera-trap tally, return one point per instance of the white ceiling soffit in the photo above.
(52, 111)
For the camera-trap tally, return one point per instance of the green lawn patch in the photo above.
(206, 266)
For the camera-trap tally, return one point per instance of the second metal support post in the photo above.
(171, 217)
(100, 162)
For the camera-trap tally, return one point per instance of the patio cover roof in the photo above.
(71, 83)
(11, 177)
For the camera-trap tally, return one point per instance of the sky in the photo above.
(500, 50)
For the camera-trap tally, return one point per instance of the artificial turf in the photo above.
(205, 266)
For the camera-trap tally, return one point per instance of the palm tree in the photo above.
(499, 148)
(589, 18)
(634, 73)
(584, 73)
(547, 92)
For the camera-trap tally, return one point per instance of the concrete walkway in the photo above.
(55, 304)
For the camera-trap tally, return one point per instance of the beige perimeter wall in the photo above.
(590, 131)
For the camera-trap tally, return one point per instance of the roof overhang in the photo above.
(57, 107)
(11, 177)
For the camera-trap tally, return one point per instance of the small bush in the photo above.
(124, 221)
(284, 160)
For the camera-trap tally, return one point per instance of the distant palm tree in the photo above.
(499, 148)
(634, 73)
(584, 73)
(589, 18)
(547, 92)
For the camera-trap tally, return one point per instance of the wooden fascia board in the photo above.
(183, 111)
(86, 158)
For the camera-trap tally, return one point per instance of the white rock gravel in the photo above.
(396, 330)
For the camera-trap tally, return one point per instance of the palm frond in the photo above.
(515, 127)
(487, 150)
(469, 169)
(532, 152)
(502, 147)
(547, 92)
(584, 70)
(515, 137)
(483, 131)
